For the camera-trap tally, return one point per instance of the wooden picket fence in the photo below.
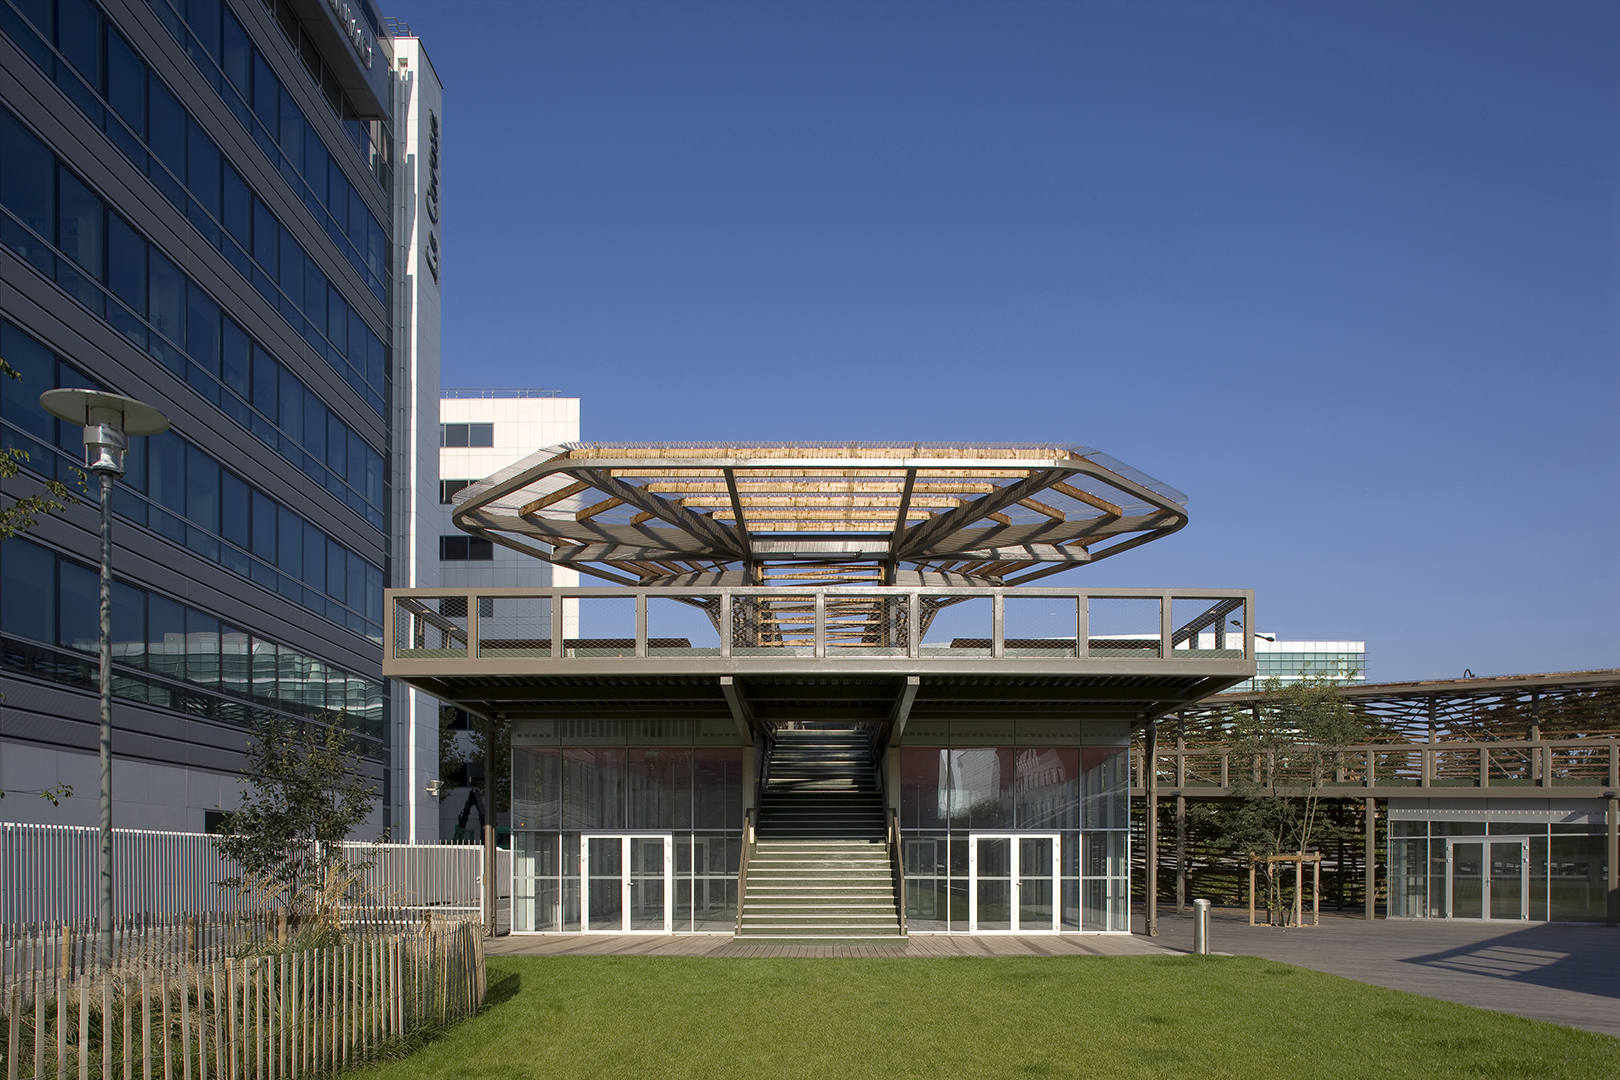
(270, 1015)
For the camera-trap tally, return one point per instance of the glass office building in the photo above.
(199, 208)
(1296, 661)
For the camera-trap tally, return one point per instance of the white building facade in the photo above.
(482, 431)
(418, 210)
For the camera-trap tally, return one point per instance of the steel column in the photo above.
(104, 910)
(1614, 859)
(1150, 783)
(491, 895)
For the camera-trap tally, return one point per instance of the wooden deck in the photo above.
(918, 945)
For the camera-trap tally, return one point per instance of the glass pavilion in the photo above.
(851, 625)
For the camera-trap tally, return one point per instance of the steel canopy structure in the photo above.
(812, 513)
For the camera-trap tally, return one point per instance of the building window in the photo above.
(166, 654)
(176, 489)
(466, 434)
(465, 549)
(448, 489)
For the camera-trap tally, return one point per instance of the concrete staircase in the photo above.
(819, 871)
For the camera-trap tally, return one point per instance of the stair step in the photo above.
(820, 870)
(808, 933)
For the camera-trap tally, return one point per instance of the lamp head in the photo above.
(108, 420)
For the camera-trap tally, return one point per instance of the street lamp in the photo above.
(108, 421)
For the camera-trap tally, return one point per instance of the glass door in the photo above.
(1486, 879)
(627, 883)
(1506, 880)
(990, 884)
(1467, 871)
(1012, 883)
(650, 879)
(1037, 884)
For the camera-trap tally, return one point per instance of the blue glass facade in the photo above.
(219, 247)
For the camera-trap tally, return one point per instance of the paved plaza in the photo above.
(1563, 973)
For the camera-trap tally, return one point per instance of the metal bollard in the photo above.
(1201, 927)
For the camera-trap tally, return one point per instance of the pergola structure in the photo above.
(822, 514)
(1515, 746)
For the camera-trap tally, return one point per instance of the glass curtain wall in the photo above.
(1079, 794)
(694, 794)
(1566, 864)
(166, 653)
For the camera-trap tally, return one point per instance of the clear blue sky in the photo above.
(1345, 273)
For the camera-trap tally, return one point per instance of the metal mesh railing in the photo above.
(1123, 626)
(1581, 766)
(1040, 625)
(607, 627)
(958, 626)
(48, 873)
(947, 623)
(1455, 768)
(689, 626)
(772, 625)
(514, 626)
(1208, 629)
(1398, 768)
(868, 625)
(430, 627)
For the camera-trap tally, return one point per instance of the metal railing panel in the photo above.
(48, 874)
(844, 622)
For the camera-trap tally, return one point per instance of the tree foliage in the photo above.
(1285, 753)
(24, 513)
(303, 798)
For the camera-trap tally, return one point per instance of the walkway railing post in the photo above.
(1614, 857)
(1371, 857)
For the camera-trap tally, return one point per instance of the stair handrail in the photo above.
(742, 869)
(895, 867)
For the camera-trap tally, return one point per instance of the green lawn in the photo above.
(1094, 1017)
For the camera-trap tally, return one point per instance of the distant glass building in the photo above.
(228, 209)
(1295, 661)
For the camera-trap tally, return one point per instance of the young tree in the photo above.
(24, 513)
(303, 799)
(1285, 753)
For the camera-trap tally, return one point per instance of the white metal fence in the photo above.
(48, 874)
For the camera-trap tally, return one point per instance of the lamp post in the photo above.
(108, 421)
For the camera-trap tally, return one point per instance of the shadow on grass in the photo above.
(503, 987)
